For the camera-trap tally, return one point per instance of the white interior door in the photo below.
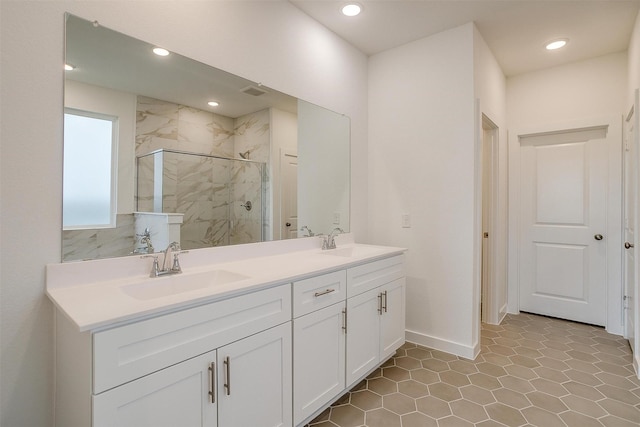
(630, 223)
(289, 194)
(563, 221)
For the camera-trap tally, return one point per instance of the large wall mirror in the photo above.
(162, 148)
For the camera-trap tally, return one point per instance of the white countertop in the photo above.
(92, 293)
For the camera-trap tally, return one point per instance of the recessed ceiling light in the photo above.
(160, 51)
(69, 67)
(351, 9)
(556, 44)
(213, 103)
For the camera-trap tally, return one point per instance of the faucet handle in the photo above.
(176, 261)
(155, 268)
(325, 241)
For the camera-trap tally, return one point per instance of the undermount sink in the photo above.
(176, 284)
(352, 251)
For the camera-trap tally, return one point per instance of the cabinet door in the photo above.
(363, 334)
(175, 396)
(392, 321)
(254, 380)
(318, 359)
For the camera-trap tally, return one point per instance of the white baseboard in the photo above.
(502, 313)
(462, 350)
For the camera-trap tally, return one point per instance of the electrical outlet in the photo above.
(336, 218)
(406, 221)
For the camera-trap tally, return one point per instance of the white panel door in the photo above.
(318, 359)
(392, 321)
(563, 224)
(363, 334)
(630, 223)
(289, 194)
(254, 380)
(175, 396)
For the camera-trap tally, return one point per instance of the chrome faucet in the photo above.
(308, 231)
(170, 262)
(329, 242)
(145, 239)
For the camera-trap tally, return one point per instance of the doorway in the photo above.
(289, 194)
(631, 221)
(489, 311)
(566, 222)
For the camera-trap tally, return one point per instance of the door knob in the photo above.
(288, 224)
(628, 245)
(598, 237)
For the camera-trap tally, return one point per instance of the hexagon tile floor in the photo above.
(532, 371)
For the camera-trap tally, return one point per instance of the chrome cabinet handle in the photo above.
(385, 301)
(319, 294)
(380, 303)
(212, 382)
(227, 379)
(628, 245)
(598, 237)
(344, 320)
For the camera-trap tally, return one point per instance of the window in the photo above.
(89, 170)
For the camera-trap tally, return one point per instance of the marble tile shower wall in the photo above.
(251, 134)
(208, 191)
(99, 242)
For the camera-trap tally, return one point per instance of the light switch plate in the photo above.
(406, 221)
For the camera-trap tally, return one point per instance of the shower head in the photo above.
(245, 155)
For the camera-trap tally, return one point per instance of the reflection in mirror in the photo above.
(260, 165)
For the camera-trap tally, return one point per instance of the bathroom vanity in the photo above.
(244, 338)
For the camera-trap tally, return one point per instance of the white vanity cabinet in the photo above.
(156, 371)
(339, 341)
(319, 342)
(376, 315)
(273, 352)
(243, 384)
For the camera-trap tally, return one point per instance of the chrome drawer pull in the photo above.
(319, 294)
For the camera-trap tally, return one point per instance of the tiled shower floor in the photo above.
(532, 371)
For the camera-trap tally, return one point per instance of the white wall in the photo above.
(491, 92)
(593, 88)
(633, 55)
(285, 49)
(579, 92)
(421, 163)
(322, 134)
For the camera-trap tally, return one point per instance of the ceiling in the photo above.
(515, 30)
(110, 59)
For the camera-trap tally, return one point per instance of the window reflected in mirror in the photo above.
(90, 140)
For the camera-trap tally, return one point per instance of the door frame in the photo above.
(278, 225)
(614, 229)
(490, 311)
(634, 115)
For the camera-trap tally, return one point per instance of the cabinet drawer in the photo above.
(318, 292)
(132, 351)
(368, 276)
